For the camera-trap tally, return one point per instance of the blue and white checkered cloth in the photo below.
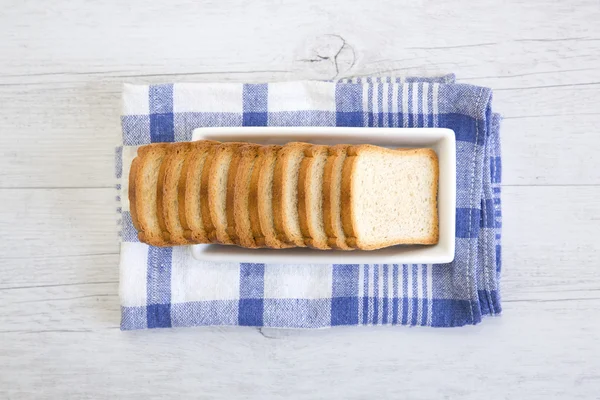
(166, 287)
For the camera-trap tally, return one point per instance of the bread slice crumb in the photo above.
(389, 197)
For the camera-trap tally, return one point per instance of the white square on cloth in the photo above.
(298, 281)
(299, 96)
(135, 99)
(192, 280)
(133, 274)
(208, 97)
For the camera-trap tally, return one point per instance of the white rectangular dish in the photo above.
(440, 140)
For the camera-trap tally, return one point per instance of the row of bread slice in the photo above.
(295, 195)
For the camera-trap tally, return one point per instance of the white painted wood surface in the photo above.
(61, 69)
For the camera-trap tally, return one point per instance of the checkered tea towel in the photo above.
(166, 287)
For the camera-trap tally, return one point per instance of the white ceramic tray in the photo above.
(441, 140)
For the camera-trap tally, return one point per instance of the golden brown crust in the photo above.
(146, 234)
(347, 196)
(278, 178)
(235, 167)
(189, 202)
(268, 237)
(216, 232)
(303, 190)
(132, 195)
(209, 227)
(306, 204)
(241, 194)
(330, 210)
(167, 189)
(434, 194)
(280, 217)
(171, 193)
(257, 233)
(229, 201)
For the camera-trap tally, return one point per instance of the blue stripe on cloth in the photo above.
(496, 169)
(344, 311)
(160, 99)
(349, 118)
(303, 118)
(348, 98)
(385, 306)
(344, 289)
(159, 315)
(255, 99)
(430, 106)
(252, 281)
(390, 99)
(252, 289)
(129, 233)
(370, 104)
(365, 298)
(465, 128)
(425, 295)
(470, 101)
(449, 78)
(489, 301)
(488, 219)
(118, 163)
(467, 222)
(400, 116)
(161, 113)
(297, 313)
(133, 318)
(380, 104)
(202, 313)
(375, 294)
(395, 294)
(410, 111)
(425, 312)
(136, 129)
(344, 280)
(348, 105)
(498, 258)
(158, 286)
(451, 312)
(420, 117)
(404, 292)
(415, 300)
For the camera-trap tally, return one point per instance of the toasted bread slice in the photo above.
(135, 164)
(214, 188)
(168, 200)
(389, 197)
(310, 197)
(234, 169)
(260, 202)
(144, 193)
(190, 214)
(241, 227)
(285, 193)
(332, 186)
